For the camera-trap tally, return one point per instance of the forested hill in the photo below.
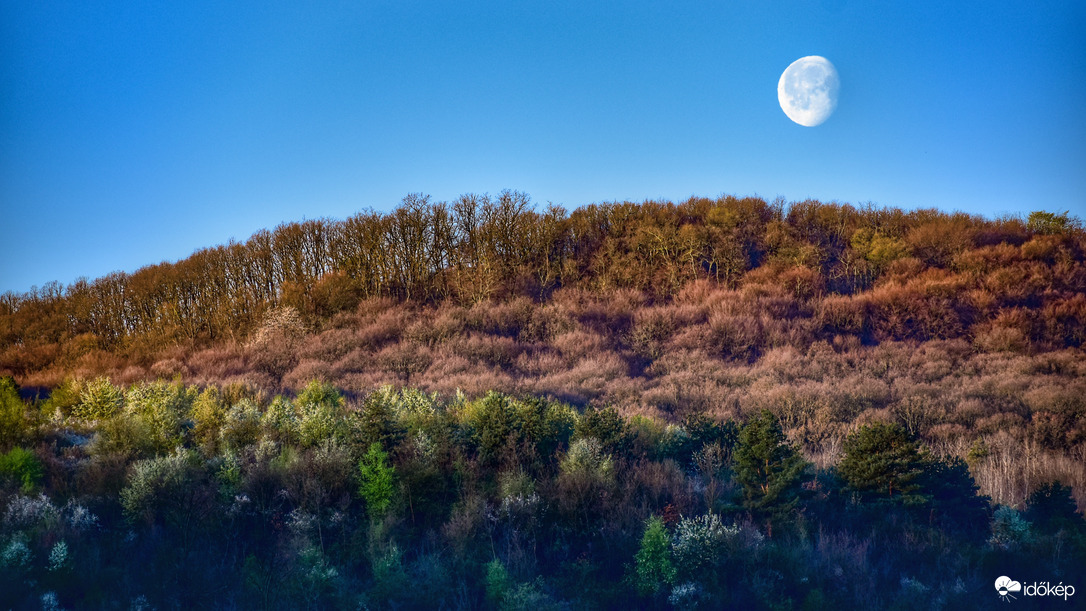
(482, 405)
(868, 273)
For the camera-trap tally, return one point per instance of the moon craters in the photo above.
(808, 90)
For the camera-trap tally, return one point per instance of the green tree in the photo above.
(1009, 529)
(376, 485)
(955, 502)
(208, 414)
(321, 409)
(169, 490)
(1051, 508)
(164, 409)
(768, 468)
(606, 425)
(22, 466)
(99, 400)
(12, 413)
(376, 421)
(1050, 222)
(280, 421)
(498, 582)
(653, 565)
(882, 462)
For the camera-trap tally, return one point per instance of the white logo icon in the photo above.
(1005, 585)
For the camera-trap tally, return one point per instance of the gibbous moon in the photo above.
(808, 90)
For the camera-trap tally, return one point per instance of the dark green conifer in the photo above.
(768, 468)
(883, 463)
(1052, 508)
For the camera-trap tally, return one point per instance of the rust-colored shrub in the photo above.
(305, 372)
(1064, 321)
(492, 350)
(168, 368)
(1043, 248)
(329, 345)
(651, 329)
(381, 328)
(982, 260)
(433, 327)
(842, 314)
(736, 337)
(404, 360)
(580, 343)
(1010, 331)
(938, 242)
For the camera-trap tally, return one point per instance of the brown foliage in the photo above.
(962, 329)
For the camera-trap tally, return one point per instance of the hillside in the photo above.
(545, 406)
(968, 330)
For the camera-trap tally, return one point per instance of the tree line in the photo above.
(480, 248)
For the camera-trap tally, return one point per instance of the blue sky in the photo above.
(132, 133)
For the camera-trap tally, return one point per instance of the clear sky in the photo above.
(136, 132)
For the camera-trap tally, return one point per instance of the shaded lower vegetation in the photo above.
(168, 495)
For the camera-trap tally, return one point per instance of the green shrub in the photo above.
(390, 580)
(507, 431)
(124, 437)
(165, 409)
(586, 457)
(881, 250)
(318, 392)
(241, 425)
(13, 421)
(280, 421)
(543, 424)
(606, 425)
(376, 485)
(165, 489)
(1009, 529)
(504, 593)
(704, 430)
(65, 397)
(653, 565)
(99, 400)
(529, 596)
(208, 414)
(699, 545)
(23, 467)
(410, 407)
(492, 424)
(320, 407)
(378, 420)
(1050, 222)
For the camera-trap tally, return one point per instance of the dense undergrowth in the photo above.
(162, 495)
